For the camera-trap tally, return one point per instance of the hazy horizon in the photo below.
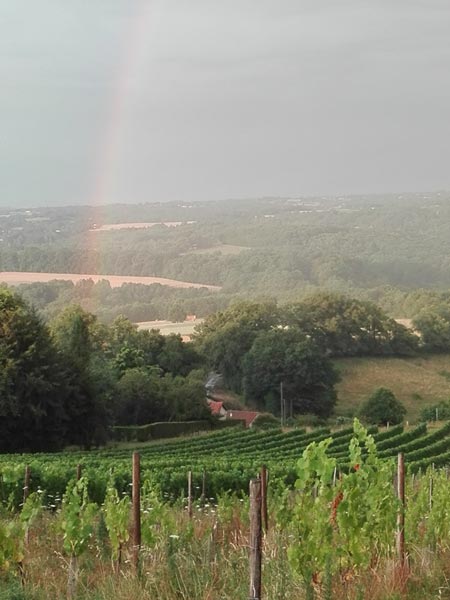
(426, 194)
(152, 101)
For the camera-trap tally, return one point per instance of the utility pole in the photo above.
(282, 405)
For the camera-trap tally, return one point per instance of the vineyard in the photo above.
(334, 521)
(230, 458)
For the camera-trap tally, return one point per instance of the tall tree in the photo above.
(225, 337)
(32, 402)
(89, 380)
(434, 327)
(288, 357)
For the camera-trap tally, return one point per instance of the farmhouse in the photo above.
(248, 416)
(218, 409)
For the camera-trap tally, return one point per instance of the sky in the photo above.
(107, 101)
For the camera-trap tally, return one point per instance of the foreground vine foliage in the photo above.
(346, 527)
(330, 536)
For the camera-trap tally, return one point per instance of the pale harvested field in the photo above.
(16, 278)
(120, 226)
(406, 323)
(184, 328)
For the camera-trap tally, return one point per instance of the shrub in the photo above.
(265, 421)
(382, 407)
(437, 411)
(310, 420)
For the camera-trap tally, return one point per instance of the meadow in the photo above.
(416, 381)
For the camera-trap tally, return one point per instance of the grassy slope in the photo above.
(417, 382)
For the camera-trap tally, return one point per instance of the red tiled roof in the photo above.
(215, 407)
(242, 415)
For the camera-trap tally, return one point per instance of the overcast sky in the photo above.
(132, 101)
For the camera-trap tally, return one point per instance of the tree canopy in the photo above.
(32, 412)
(289, 358)
(255, 346)
(382, 407)
(343, 326)
(68, 382)
(224, 338)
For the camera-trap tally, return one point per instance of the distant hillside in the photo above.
(417, 382)
(392, 250)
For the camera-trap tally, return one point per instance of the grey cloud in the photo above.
(204, 99)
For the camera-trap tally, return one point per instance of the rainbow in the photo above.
(118, 112)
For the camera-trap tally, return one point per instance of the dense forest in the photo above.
(393, 250)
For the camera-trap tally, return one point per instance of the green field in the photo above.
(417, 382)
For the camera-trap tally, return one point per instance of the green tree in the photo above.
(177, 357)
(225, 337)
(288, 357)
(32, 406)
(382, 407)
(139, 397)
(131, 348)
(148, 395)
(343, 326)
(122, 331)
(89, 380)
(440, 411)
(434, 328)
(186, 396)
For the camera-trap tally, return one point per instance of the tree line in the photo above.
(259, 347)
(68, 380)
(370, 246)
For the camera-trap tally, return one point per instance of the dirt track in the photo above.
(16, 278)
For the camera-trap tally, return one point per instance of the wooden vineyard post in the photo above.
(190, 494)
(401, 512)
(26, 484)
(78, 472)
(26, 493)
(203, 497)
(264, 511)
(430, 491)
(136, 500)
(255, 540)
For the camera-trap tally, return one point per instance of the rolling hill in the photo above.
(417, 382)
